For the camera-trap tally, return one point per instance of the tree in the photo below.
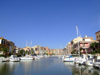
(5, 50)
(96, 47)
(32, 52)
(26, 52)
(22, 52)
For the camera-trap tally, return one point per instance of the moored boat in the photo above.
(4, 59)
(14, 58)
(27, 57)
(68, 58)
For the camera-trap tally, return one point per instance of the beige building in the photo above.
(77, 39)
(74, 42)
(40, 50)
(57, 51)
(97, 36)
(84, 44)
(18, 50)
(27, 48)
(69, 48)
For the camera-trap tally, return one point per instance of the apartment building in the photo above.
(97, 36)
(4, 43)
(40, 50)
(84, 44)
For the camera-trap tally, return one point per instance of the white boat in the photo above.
(68, 58)
(27, 57)
(37, 57)
(80, 60)
(4, 59)
(89, 61)
(76, 61)
(14, 58)
(96, 64)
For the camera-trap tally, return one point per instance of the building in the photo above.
(47, 50)
(84, 44)
(97, 36)
(40, 50)
(4, 43)
(69, 48)
(56, 51)
(18, 50)
(73, 44)
(28, 50)
(65, 50)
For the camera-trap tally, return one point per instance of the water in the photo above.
(45, 66)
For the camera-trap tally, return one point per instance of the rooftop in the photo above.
(97, 32)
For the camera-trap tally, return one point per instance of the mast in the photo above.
(31, 44)
(78, 39)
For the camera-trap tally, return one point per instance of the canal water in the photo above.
(45, 66)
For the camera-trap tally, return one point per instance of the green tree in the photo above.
(22, 52)
(96, 47)
(5, 50)
(26, 52)
(32, 52)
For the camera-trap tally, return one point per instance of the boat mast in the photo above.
(78, 40)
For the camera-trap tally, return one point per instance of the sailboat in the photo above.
(81, 59)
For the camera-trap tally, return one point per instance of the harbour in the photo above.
(45, 66)
(49, 37)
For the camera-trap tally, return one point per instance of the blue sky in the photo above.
(48, 22)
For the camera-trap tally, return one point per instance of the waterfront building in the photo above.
(4, 43)
(69, 48)
(56, 51)
(84, 44)
(97, 36)
(73, 44)
(65, 51)
(28, 50)
(47, 50)
(40, 50)
(18, 50)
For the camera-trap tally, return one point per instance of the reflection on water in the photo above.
(45, 66)
(84, 70)
(81, 70)
(6, 68)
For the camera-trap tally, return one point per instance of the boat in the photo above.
(89, 61)
(27, 57)
(68, 58)
(4, 59)
(14, 58)
(81, 60)
(61, 57)
(96, 64)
